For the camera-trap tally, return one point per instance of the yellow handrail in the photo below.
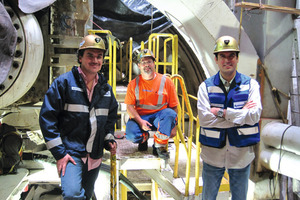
(129, 59)
(185, 103)
(154, 43)
(197, 165)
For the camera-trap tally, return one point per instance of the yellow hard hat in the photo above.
(226, 43)
(145, 53)
(92, 42)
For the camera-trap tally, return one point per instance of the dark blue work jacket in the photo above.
(70, 123)
(236, 97)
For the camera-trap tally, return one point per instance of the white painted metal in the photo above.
(25, 118)
(164, 183)
(29, 6)
(12, 183)
(33, 57)
(276, 39)
(201, 23)
(284, 136)
(281, 161)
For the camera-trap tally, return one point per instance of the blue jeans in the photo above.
(78, 182)
(238, 180)
(163, 121)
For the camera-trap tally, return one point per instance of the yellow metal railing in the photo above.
(188, 147)
(128, 70)
(154, 45)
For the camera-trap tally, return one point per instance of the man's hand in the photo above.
(113, 147)
(249, 105)
(62, 163)
(215, 110)
(145, 125)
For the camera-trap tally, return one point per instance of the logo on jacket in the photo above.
(77, 89)
(144, 90)
(107, 94)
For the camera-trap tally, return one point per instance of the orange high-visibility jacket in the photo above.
(151, 96)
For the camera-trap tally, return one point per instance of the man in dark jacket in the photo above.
(10, 148)
(77, 120)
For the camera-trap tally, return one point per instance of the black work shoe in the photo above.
(161, 152)
(143, 146)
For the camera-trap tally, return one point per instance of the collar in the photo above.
(218, 78)
(84, 76)
(224, 81)
(149, 79)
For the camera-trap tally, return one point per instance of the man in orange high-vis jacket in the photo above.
(151, 101)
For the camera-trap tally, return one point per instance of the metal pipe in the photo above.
(281, 161)
(282, 136)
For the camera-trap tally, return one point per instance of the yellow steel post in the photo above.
(121, 61)
(113, 178)
(123, 187)
(114, 71)
(110, 62)
(176, 53)
(197, 165)
(156, 48)
(130, 59)
(165, 55)
(182, 113)
(156, 191)
(176, 141)
(142, 45)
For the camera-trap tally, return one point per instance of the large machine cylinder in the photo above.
(282, 136)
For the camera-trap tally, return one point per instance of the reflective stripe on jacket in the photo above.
(71, 123)
(236, 98)
(159, 105)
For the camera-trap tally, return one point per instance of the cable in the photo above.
(5, 114)
(280, 156)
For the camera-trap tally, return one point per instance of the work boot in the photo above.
(143, 146)
(161, 152)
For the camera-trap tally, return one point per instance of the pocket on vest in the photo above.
(245, 136)
(212, 137)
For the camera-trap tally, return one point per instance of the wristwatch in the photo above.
(220, 113)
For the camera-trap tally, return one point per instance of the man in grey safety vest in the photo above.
(229, 109)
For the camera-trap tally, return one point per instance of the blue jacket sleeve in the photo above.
(49, 118)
